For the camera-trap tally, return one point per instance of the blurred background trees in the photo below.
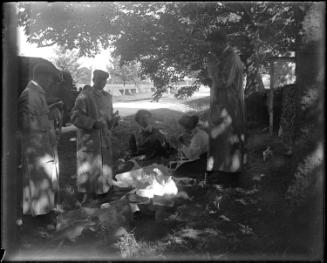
(124, 73)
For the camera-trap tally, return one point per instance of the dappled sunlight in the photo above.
(221, 128)
(93, 173)
(233, 139)
(129, 108)
(84, 168)
(102, 182)
(43, 202)
(236, 161)
(210, 163)
(38, 198)
(82, 178)
(107, 173)
(44, 185)
(48, 164)
(26, 199)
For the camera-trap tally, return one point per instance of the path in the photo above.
(130, 108)
(168, 102)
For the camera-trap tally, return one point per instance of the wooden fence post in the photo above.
(271, 99)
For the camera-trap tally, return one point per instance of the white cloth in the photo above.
(198, 146)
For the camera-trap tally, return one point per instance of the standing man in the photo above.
(40, 176)
(93, 116)
(226, 150)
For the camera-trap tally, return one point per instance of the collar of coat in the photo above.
(146, 130)
(100, 92)
(37, 86)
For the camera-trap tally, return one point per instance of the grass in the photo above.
(130, 248)
(208, 236)
(136, 97)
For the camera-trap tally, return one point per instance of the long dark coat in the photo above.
(94, 147)
(39, 160)
(226, 150)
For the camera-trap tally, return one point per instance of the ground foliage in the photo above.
(211, 223)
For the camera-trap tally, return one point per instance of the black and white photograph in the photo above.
(163, 131)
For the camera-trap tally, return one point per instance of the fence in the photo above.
(129, 89)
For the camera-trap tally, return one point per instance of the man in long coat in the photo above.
(93, 116)
(40, 176)
(227, 138)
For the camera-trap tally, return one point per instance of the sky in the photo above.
(100, 61)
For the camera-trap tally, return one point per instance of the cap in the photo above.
(100, 74)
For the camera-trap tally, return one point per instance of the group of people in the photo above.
(191, 146)
(219, 151)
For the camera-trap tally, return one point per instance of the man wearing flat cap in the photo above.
(227, 112)
(93, 116)
(40, 176)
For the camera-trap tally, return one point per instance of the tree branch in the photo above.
(47, 45)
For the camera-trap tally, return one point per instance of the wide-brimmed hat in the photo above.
(100, 74)
(188, 121)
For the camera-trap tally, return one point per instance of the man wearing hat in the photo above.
(93, 116)
(227, 116)
(40, 176)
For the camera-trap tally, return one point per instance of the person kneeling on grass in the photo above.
(148, 141)
(194, 146)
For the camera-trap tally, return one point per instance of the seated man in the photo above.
(194, 147)
(148, 141)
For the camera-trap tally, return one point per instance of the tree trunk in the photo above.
(306, 189)
(254, 81)
(271, 100)
(251, 61)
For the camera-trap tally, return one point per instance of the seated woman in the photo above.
(194, 146)
(148, 141)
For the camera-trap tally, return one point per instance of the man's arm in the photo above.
(28, 109)
(225, 122)
(80, 116)
(192, 151)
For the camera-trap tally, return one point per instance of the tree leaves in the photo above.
(157, 34)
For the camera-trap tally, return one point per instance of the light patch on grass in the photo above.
(131, 248)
